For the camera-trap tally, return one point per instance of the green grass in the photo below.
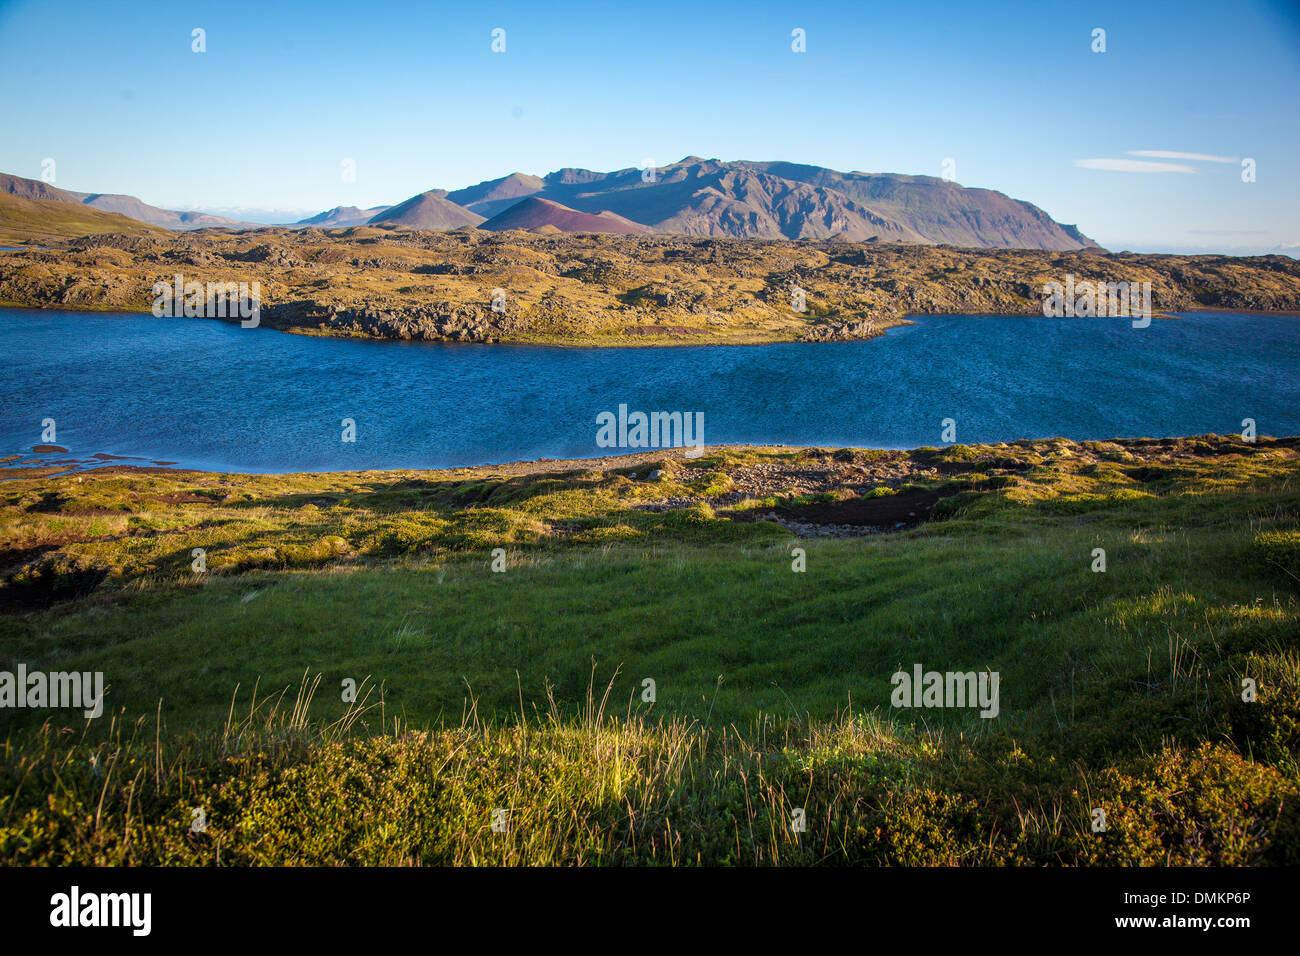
(33, 221)
(523, 689)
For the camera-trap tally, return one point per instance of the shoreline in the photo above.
(536, 466)
(670, 340)
(606, 291)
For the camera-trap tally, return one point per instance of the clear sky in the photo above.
(412, 92)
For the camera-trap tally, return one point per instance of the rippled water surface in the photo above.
(212, 395)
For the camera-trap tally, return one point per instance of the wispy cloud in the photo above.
(1133, 166)
(1171, 154)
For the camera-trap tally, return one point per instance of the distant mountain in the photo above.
(167, 218)
(256, 216)
(491, 197)
(542, 214)
(429, 210)
(940, 210)
(26, 221)
(776, 200)
(698, 197)
(128, 206)
(341, 216)
(36, 189)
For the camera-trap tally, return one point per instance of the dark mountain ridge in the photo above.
(779, 200)
(692, 197)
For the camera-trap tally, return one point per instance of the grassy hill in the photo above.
(524, 689)
(34, 221)
(128, 206)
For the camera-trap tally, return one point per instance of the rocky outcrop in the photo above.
(577, 289)
(422, 324)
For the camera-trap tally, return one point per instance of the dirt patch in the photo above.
(1152, 473)
(183, 498)
(981, 465)
(900, 510)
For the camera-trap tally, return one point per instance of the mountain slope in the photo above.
(167, 218)
(36, 189)
(25, 221)
(495, 195)
(535, 213)
(128, 206)
(342, 216)
(429, 210)
(776, 200)
(709, 198)
(699, 197)
(942, 211)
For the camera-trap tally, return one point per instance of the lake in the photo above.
(212, 395)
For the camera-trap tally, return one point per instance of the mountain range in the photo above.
(342, 216)
(697, 197)
(129, 206)
(776, 200)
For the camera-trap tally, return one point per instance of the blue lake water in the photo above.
(212, 395)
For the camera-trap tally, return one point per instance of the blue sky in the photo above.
(412, 92)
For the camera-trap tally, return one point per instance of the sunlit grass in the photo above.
(524, 690)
